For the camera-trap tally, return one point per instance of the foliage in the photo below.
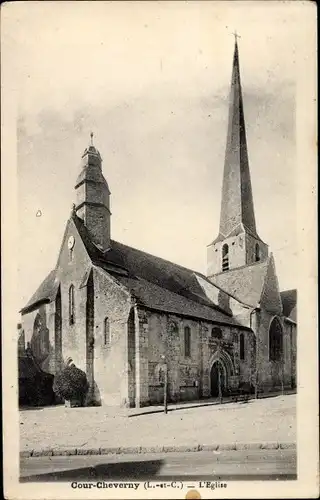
(71, 383)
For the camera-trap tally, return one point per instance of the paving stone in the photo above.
(209, 447)
(227, 446)
(248, 446)
(109, 451)
(151, 449)
(287, 446)
(130, 449)
(88, 451)
(270, 446)
(42, 453)
(66, 452)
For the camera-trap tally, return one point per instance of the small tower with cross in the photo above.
(93, 197)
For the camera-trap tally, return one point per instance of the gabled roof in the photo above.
(245, 283)
(44, 294)
(156, 283)
(165, 274)
(289, 304)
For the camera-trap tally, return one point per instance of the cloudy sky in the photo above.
(151, 80)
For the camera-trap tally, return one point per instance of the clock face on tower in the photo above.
(71, 242)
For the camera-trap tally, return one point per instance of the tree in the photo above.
(71, 384)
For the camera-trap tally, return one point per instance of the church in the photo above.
(124, 316)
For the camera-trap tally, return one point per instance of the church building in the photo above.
(124, 316)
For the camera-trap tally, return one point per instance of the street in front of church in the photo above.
(268, 423)
(223, 465)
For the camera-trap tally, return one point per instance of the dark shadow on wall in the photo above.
(224, 301)
(108, 471)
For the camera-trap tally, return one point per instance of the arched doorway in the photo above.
(217, 378)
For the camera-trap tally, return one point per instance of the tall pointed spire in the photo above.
(238, 243)
(237, 201)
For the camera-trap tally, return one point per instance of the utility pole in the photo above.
(255, 331)
(165, 395)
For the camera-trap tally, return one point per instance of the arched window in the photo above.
(71, 305)
(257, 252)
(106, 331)
(37, 325)
(187, 342)
(37, 341)
(216, 333)
(242, 351)
(225, 257)
(275, 340)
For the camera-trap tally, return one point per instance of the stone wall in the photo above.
(111, 363)
(273, 374)
(189, 376)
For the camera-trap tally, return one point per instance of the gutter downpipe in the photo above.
(256, 309)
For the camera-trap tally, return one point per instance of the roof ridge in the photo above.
(254, 264)
(289, 290)
(227, 321)
(155, 256)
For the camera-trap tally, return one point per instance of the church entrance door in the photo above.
(217, 378)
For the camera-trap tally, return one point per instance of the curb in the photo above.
(156, 449)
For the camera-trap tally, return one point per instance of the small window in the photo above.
(106, 331)
(257, 252)
(225, 257)
(70, 254)
(242, 351)
(187, 342)
(174, 330)
(216, 333)
(71, 305)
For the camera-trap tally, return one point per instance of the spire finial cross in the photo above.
(235, 34)
(91, 135)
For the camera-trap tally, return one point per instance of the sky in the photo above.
(151, 80)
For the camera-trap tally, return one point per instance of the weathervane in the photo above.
(235, 34)
(91, 135)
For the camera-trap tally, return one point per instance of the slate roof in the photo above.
(245, 283)
(156, 283)
(289, 304)
(163, 273)
(160, 299)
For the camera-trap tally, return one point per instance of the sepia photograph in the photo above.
(162, 266)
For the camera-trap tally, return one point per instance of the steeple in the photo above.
(93, 197)
(237, 211)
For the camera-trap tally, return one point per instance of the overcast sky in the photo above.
(151, 80)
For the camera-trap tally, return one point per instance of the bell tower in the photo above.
(93, 198)
(238, 243)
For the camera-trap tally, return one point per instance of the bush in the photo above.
(71, 384)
